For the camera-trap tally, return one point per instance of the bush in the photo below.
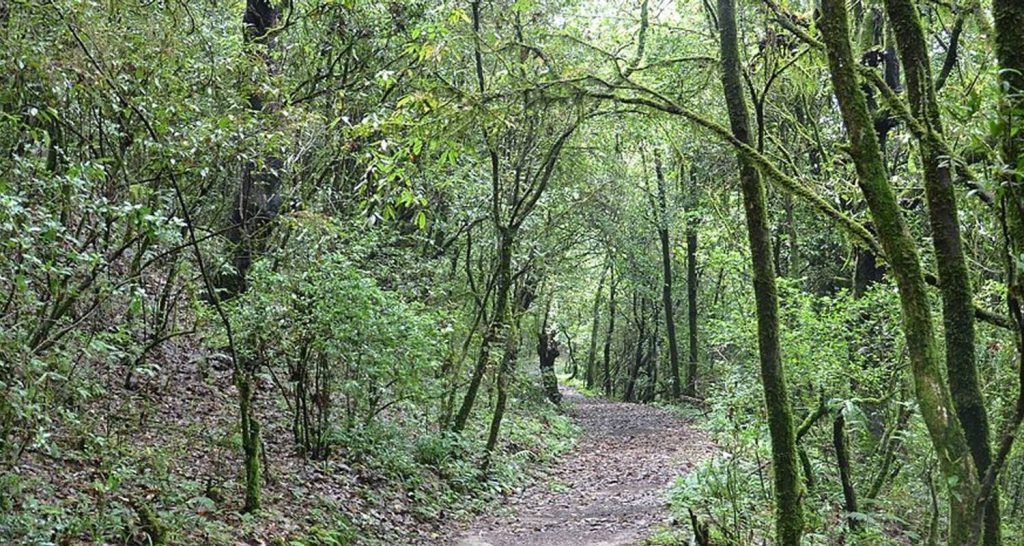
(342, 349)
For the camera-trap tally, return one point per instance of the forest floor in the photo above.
(608, 491)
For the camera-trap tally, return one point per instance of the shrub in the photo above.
(342, 349)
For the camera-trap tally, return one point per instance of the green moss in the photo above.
(933, 397)
(954, 281)
(151, 524)
(789, 520)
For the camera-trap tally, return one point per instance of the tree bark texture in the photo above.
(932, 393)
(789, 522)
(954, 279)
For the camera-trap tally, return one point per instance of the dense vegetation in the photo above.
(311, 271)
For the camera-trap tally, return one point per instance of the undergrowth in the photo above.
(386, 485)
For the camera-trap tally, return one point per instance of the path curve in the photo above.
(610, 489)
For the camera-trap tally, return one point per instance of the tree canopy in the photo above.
(323, 271)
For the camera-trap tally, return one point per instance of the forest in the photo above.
(512, 272)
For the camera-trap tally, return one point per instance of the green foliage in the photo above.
(835, 347)
(368, 303)
(58, 279)
(349, 349)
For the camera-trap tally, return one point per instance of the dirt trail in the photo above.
(610, 490)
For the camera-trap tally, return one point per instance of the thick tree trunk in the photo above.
(876, 53)
(789, 523)
(933, 396)
(1008, 16)
(866, 271)
(954, 280)
(258, 199)
(256, 205)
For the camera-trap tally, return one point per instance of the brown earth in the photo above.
(608, 491)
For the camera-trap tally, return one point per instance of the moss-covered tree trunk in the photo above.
(789, 522)
(251, 445)
(842, 446)
(692, 282)
(525, 295)
(505, 369)
(256, 205)
(954, 280)
(1008, 17)
(932, 393)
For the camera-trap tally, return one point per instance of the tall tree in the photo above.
(609, 333)
(901, 252)
(666, 273)
(521, 160)
(789, 521)
(1008, 16)
(258, 198)
(691, 285)
(256, 204)
(954, 280)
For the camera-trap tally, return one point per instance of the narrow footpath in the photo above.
(610, 490)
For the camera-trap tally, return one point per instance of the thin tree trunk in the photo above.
(494, 327)
(640, 315)
(524, 297)
(789, 523)
(691, 297)
(932, 393)
(666, 285)
(841, 445)
(609, 334)
(572, 364)
(508, 359)
(256, 205)
(892, 443)
(595, 323)
(651, 362)
(547, 352)
(251, 445)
